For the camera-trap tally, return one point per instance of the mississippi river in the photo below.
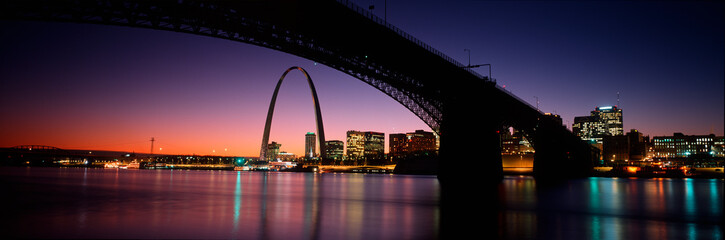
(175, 204)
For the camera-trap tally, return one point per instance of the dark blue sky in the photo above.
(664, 58)
(65, 83)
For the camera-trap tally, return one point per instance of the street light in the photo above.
(490, 77)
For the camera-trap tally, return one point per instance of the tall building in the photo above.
(684, 146)
(630, 147)
(334, 149)
(611, 117)
(368, 145)
(410, 144)
(355, 144)
(273, 151)
(603, 121)
(310, 145)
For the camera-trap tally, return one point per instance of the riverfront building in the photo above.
(334, 149)
(688, 146)
(630, 147)
(603, 121)
(273, 150)
(397, 145)
(412, 144)
(365, 145)
(285, 156)
(310, 145)
(514, 142)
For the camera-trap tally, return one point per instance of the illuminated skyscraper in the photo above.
(603, 121)
(611, 117)
(310, 145)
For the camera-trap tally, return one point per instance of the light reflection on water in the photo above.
(612, 208)
(105, 203)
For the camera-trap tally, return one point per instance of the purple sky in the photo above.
(106, 87)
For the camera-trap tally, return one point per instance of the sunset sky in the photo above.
(81, 86)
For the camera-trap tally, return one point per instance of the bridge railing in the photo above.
(518, 98)
(371, 16)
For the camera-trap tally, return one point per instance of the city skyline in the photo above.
(113, 88)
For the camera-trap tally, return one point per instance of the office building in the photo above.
(273, 151)
(630, 147)
(310, 145)
(514, 142)
(412, 144)
(334, 149)
(603, 121)
(687, 146)
(367, 145)
(397, 146)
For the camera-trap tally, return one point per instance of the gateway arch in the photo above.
(270, 112)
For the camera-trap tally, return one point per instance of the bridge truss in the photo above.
(306, 29)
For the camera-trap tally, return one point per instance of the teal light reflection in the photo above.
(715, 201)
(690, 207)
(237, 202)
(691, 231)
(594, 198)
(595, 227)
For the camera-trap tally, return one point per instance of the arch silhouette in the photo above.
(270, 112)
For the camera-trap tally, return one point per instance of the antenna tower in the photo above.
(617, 99)
(152, 145)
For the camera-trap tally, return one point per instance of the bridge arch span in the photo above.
(345, 37)
(308, 29)
(270, 113)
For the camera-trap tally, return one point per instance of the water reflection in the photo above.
(101, 203)
(618, 208)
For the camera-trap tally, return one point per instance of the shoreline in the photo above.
(519, 171)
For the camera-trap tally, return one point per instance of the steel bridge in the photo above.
(463, 107)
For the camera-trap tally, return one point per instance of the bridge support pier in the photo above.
(470, 168)
(558, 155)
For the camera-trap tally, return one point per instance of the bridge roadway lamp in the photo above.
(479, 65)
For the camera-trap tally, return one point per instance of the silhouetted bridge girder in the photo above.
(439, 90)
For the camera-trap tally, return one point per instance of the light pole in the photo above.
(490, 77)
(469, 57)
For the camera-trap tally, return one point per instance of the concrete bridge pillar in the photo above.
(470, 167)
(470, 148)
(558, 154)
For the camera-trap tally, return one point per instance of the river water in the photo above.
(174, 204)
